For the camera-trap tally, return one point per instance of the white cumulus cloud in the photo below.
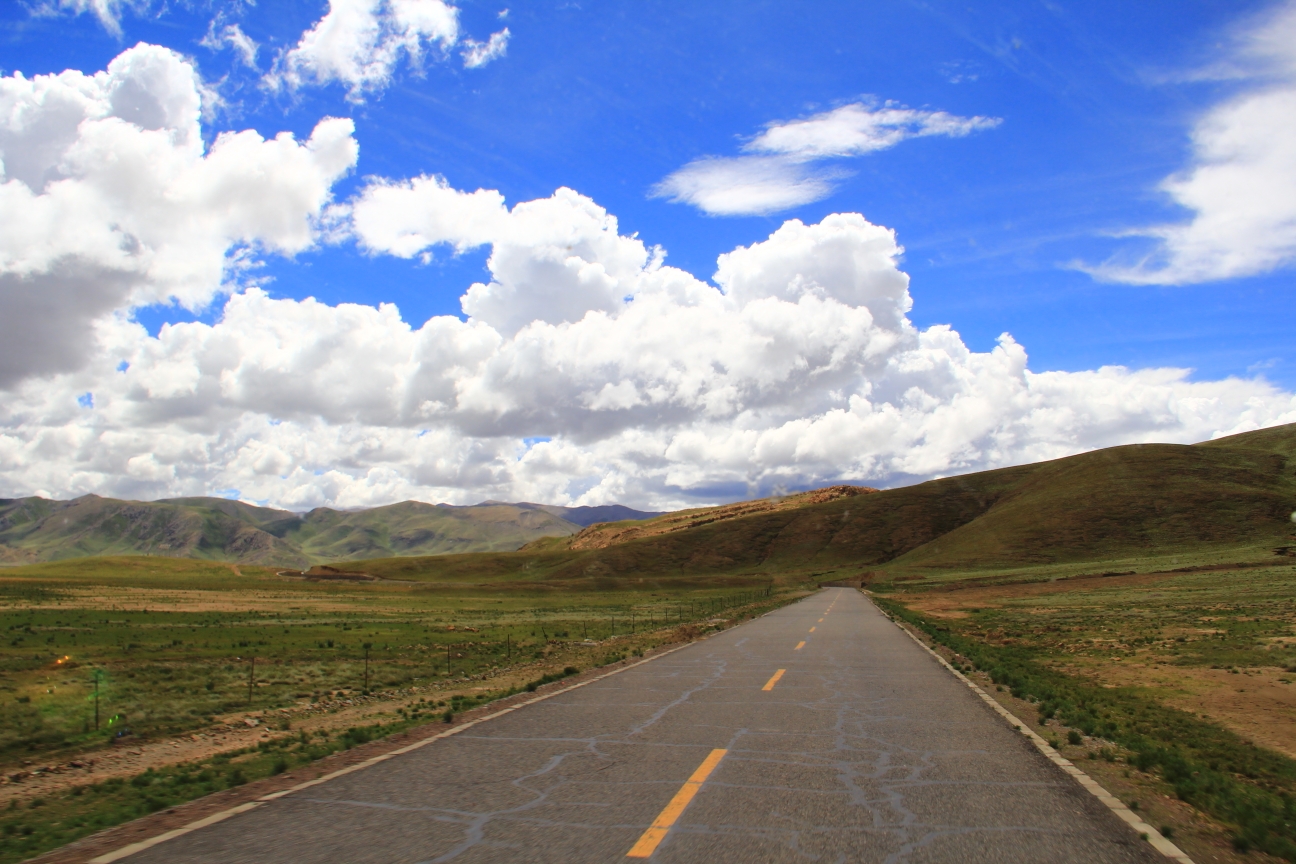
(797, 366)
(587, 369)
(1240, 186)
(110, 200)
(359, 43)
(781, 174)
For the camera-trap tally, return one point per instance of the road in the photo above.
(863, 749)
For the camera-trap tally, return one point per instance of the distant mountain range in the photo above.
(37, 529)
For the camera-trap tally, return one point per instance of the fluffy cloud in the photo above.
(359, 44)
(780, 173)
(1241, 184)
(632, 380)
(110, 200)
(586, 371)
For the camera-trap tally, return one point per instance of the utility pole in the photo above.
(98, 673)
(251, 677)
(447, 658)
(367, 646)
(508, 645)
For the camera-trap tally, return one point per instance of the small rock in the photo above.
(252, 722)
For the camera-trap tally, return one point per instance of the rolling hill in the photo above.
(36, 529)
(1135, 501)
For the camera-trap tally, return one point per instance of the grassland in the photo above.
(179, 655)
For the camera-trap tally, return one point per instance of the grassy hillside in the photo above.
(33, 530)
(415, 528)
(1119, 503)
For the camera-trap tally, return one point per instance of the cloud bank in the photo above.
(781, 174)
(1241, 184)
(796, 365)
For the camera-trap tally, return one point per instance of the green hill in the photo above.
(1233, 495)
(1137, 501)
(35, 529)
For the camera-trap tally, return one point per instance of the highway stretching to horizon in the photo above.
(817, 733)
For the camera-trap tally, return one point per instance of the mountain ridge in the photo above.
(35, 529)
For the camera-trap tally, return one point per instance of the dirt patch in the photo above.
(326, 573)
(957, 601)
(1254, 703)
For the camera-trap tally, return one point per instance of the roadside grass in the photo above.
(1060, 644)
(171, 646)
(31, 828)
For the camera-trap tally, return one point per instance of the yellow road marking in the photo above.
(821, 620)
(812, 629)
(800, 645)
(769, 685)
(661, 826)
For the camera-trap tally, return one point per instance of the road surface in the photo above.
(818, 733)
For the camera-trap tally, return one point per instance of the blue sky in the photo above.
(608, 98)
(1089, 108)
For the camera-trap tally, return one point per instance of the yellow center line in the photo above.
(821, 620)
(811, 629)
(800, 645)
(769, 685)
(661, 826)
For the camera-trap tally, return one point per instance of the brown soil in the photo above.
(1254, 703)
(955, 601)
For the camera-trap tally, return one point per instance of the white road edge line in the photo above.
(140, 846)
(1152, 835)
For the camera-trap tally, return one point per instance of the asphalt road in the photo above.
(864, 749)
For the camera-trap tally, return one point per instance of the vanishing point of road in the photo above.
(817, 733)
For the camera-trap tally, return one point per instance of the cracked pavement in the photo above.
(865, 750)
